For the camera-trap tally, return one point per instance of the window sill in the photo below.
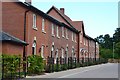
(63, 36)
(53, 35)
(58, 37)
(44, 32)
(35, 28)
(67, 38)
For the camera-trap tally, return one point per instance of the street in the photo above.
(109, 70)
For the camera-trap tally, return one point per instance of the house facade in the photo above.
(48, 34)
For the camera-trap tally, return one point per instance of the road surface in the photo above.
(109, 70)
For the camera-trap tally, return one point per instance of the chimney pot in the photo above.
(62, 10)
(28, 1)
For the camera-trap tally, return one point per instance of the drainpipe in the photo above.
(24, 54)
(78, 46)
(24, 49)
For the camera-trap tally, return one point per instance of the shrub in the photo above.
(35, 64)
(10, 65)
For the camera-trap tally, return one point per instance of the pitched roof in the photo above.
(9, 38)
(73, 24)
(81, 24)
(46, 16)
(78, 25)
(65, 17)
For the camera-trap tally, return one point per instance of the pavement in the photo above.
(108, 70)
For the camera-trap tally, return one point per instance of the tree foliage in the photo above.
(106, 44)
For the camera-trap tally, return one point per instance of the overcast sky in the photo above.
(99, 17)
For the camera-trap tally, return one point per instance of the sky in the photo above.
(99, 17)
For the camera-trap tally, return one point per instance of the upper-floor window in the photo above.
(84, 41)
(34, 21)
(75, 38)
(90, 43)
(80, 37)
(66, 33)
(53, 34)
(63, 32)
(72, 37)
(94, 44)
(43, 25)
(57, 30)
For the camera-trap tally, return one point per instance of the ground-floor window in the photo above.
(62, 53)
(42, 51)
(56, 56)
(34, 48)
(52, 50)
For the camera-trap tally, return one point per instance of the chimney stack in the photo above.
(62, 10)
(28, 1)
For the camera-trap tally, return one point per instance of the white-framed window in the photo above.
(84, 41)
(53, 30)
(62, 53)
(63, 32)
(66, 33)
(34, 21)
(75, 38)
(72, 51)
(80, 37)
(52, 49)
(72, 37)
(57, 30)
(43, 25)
(56, 54)
(66, 52)
(42, 51)
(89, 43)
(34, 48)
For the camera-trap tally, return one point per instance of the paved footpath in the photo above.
(109, 70)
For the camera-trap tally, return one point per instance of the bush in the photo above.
(11, 65)
(35, 64)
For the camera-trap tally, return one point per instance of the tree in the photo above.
(108, 41)
(106, 44)
(116, 35)
(117, 49)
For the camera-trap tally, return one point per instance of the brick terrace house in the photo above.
(87, 46)
(48, 34)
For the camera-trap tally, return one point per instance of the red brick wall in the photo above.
(13, 19)
(13, 23)
(55, 15)
(11, 48)
(62, 42)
